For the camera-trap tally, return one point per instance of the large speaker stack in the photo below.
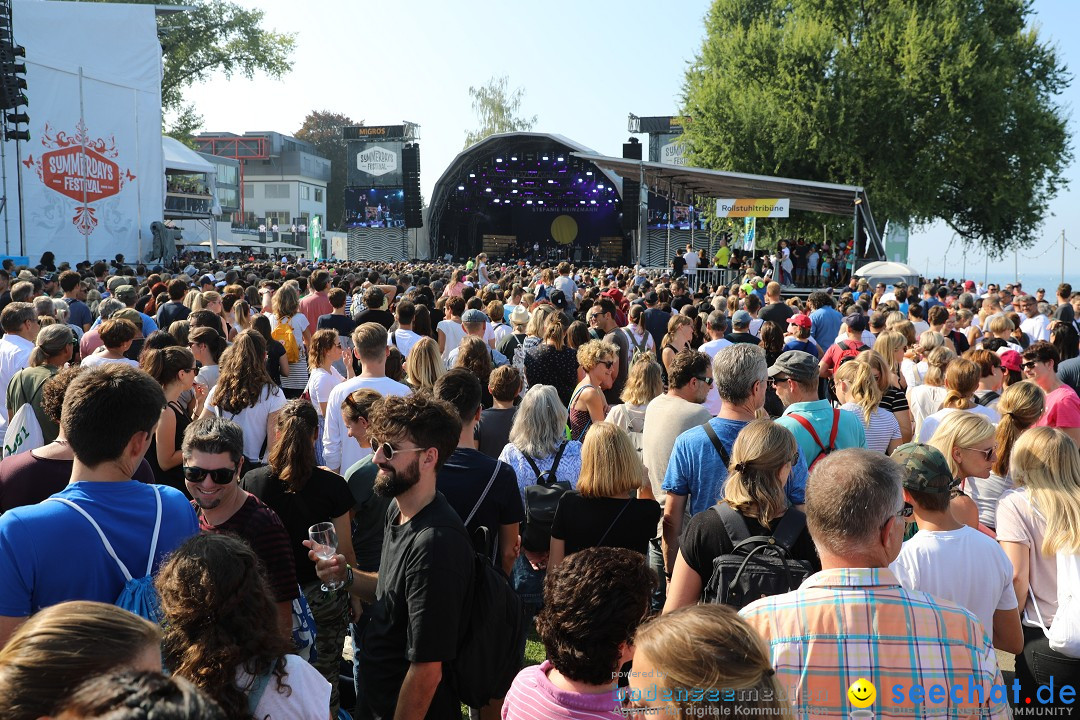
(631, 189)
(410, 161)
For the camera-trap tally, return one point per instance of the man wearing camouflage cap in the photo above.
(951, 560)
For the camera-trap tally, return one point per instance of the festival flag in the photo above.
(749, 231)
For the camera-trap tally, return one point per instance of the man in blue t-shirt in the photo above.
(698, 469)
(74, 295)
(825, 319)
(49, 552)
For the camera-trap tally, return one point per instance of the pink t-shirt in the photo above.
(1062, 409)
(532, 696)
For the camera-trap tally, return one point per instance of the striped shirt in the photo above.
(850, 623)
(883, 427)
(532, 696)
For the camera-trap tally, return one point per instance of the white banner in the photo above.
(92, 172)
(753, 207)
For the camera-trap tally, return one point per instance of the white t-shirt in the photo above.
(921, 326)
(404, 340)
(691, 259)
(454, 334)
(714, 346)
(252, 420)
(319, 385)
(924, 401)
(636, 339)
(310, 696)
(930, 423)
(913, 372)
(962, 565)
(100, 359)
(500, 331)
(341, 452)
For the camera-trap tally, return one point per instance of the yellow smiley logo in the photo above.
(862, 693)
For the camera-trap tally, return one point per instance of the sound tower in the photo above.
(631, 194)
(410, 161)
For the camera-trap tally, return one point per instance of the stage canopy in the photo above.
(695, 186)
(179, 158)
(513, 191)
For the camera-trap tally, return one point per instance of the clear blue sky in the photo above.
(584, 65)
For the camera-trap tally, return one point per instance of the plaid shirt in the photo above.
(851, 623)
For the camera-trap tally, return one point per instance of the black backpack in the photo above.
(541, 500)
(987, 399)
(491, 646)
(758, 566)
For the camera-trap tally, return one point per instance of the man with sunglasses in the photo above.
(602, 326)
(418, 596)
(213, 451)
(51, 554)
(949, 559)
(856, 513)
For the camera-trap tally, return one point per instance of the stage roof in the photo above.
(689, 184)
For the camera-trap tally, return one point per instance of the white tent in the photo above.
(179, 158)
(889, 273)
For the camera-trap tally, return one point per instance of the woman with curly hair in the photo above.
(597, 359)
(475, 356)
(593, 602)
(245, 394)
(303, 494)
(221, 633)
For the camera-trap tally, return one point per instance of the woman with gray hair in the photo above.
(53, 350)
(91, 339)
(538, 447)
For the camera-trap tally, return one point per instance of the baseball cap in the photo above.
(856, 321)
(796, 364)
(473, 315)
(129, 314)
(207, 280)
(800, 320)
(558, 299)
(925, 468)
(651, 297)
(126, 293)
(1010, 360)
(741, 318)
(969, 284)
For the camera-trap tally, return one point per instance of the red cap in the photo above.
(969, 284)
(800, 320)
(1010, 360)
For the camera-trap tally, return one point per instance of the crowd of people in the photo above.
(897, 466)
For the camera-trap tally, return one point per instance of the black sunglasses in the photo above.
(1029, 364)
(220, 476)
(706, 380)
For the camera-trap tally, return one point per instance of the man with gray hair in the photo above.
(854, 619)
(91, 340)
(22, 291)
(716, 327)
(698, 466)
(1037, 324)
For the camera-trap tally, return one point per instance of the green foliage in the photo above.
(213, 36)
(497, 109)
(942, 110)
(323, 129)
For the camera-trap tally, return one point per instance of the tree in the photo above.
(213, 36)
(323, 129)
(942, 110)
(497, 110)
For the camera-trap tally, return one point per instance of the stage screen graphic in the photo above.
(378, 207)
(674, 215)
(375, 163)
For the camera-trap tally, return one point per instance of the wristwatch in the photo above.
(348, 575)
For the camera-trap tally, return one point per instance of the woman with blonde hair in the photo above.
(605, 510)
(703, 646)
(424, 365)
(213, 302)
(680, 330)
(241, 312)
(926, 398)
(760, 463)
(893, 399)
(61, 646)
(287, 310)
(1021, 406)
(858, 391)
(455, 286)
(967, 442)
(643, 384)
(961, 381)
(915, 367)
(587, 405)
(1036, 521)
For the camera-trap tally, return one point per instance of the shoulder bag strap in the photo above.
(157, 532)
(558, 456)
(835, 429)
(603, 537)
(790, 527)
(810, 429)
(104, 540)
(716, 442)
(734, 523)
(487, 489)
(257, 690)
(532, 464)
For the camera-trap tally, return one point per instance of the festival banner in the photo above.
(749, 233)
(314, 229)
(753, 207)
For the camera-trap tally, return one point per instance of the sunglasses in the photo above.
(987, 453)
(774, 380)
(1029, 364)
(389, 450)
(706, 380)
(608, 363)
(906, 511)
(220, 476)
